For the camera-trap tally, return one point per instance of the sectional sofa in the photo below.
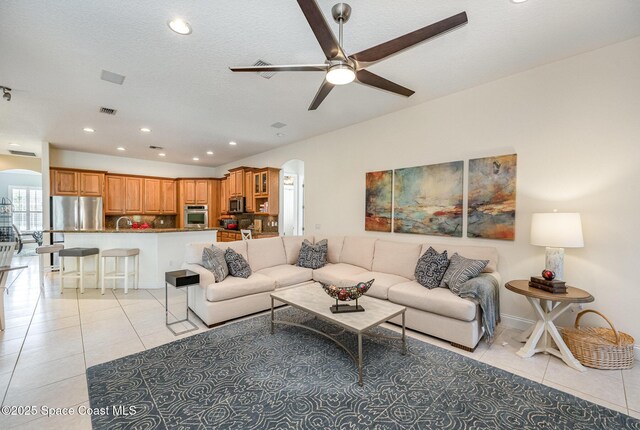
(437, 312)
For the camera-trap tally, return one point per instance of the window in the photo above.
(27, 207)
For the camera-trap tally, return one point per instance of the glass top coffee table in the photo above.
(314, 301)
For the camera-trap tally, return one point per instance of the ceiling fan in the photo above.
(341, 68)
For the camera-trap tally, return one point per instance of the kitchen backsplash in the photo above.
(154, 221)
(269, 223)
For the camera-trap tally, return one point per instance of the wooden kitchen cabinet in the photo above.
(267, 184)
(152, 196)
(114, 201)
(91, 184)
(196, 191)
(64, 183)
(248, 191)
(236, 182)
(189, 187)
(133, 195)
(224, 195)
(168, 197)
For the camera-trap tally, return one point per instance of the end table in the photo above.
(179, 279)
(548, 307)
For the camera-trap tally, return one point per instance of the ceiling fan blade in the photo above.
(384, 50)
(322, 93)
(367, 78)
(321, 30)
(285, 68)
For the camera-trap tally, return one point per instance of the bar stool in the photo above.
(124, 253)
(43, 251)
(79, 254)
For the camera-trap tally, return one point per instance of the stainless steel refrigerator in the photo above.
(76, 213)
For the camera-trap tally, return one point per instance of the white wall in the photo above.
(8, 179)
(132, 166)
(575, 127)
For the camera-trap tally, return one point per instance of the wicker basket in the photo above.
(598, 347)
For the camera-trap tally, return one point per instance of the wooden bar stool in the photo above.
(79, 254)
(123, 253)
(44, 251)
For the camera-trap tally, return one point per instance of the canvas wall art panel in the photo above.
(428, 199)
(378, 201)
(492, 197)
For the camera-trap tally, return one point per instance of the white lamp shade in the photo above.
(557, 230)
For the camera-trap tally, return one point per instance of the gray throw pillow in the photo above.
(313, 256)
(460, 270)
(213, 260)
(431, 268)
(238, 266)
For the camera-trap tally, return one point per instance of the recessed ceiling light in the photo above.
(232, 143)
(180, 26)
(518, 1)
(14, 144)
(209, 152)
(145, 130)
(195, 159)
(120, 148)
(162, 154)
(88, 129)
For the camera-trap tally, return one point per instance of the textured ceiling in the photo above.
(52, 54)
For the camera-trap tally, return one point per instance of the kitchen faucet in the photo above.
(118, 221)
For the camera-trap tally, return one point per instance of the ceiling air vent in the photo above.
(278, 125)
(266, 75)
(108, 111)
(23, 153)
(155, 147)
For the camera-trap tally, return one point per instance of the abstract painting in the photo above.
(428, 199)
(492, 197)
(378, 201)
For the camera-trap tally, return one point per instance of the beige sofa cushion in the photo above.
(233, 287)
(358, 251)
(265, 253)
(381, 285)
(193, 252)
(334, 273)
(398, 258)
(286, 274)
(439, 301)
(239, 246)
(292, 245)
(335, 247)
(475, 252)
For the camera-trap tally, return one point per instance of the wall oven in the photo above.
(196, 216)
(236, 205)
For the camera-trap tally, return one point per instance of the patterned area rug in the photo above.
(239, 376)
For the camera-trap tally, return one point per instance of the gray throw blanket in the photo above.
(485, 291)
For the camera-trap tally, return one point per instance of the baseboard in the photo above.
(513, 321)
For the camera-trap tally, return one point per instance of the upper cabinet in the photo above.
(114, 201)
(168, 197)
(266, 187)
(66, 182)
(133, 195)
(236, 182)
(124, 195)
(152, 196)
(196, 191)
(248, 191)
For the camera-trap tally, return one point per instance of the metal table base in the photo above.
(166, 314)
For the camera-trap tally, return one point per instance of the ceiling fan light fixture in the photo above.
(340, 74)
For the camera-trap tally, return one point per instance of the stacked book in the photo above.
(553, 286)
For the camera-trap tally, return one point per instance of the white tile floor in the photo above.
(51, 339)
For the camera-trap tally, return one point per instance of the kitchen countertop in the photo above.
(130, 230)
(254, 233)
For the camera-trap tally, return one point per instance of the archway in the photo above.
(292, 201)
(21, 207)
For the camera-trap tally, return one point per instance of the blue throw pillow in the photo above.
(431, 268)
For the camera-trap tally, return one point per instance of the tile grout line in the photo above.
(24, 339)
(84, 351)
(129, 319)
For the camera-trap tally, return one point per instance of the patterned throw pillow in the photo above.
(431, 268)
(238, 266)
(313, 256)
(460, 271)
(213, 260)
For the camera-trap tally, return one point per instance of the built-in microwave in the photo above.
(236, 205)
(196, 216)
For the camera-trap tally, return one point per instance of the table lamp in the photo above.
(556, 231)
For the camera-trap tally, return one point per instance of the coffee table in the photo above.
(313, 300)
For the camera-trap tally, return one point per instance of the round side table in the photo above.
(547, 307)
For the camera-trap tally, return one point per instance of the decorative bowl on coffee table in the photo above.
(345, 293)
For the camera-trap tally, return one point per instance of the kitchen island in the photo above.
(161, 250)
